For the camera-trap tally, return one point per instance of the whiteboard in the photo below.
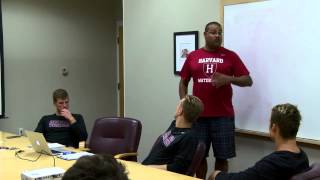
(278, 40)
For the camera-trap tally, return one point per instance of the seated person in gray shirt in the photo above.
(174, 149)
(62, 127)
(287, 160)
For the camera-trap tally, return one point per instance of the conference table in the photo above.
(11, 166)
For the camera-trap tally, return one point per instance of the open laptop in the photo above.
(40, 145)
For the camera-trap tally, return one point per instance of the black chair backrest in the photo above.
(115, 135)
(197, 158)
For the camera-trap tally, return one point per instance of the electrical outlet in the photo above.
(20, 131)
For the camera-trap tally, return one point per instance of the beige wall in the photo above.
(151, 92)
(40, 37)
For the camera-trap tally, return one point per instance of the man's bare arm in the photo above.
(183, 88)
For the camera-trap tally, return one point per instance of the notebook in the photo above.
(40, 145)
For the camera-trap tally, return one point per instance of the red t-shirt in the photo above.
(200, 65)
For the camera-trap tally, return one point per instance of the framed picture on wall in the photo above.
(184, 43)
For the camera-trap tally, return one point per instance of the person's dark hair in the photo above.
(59, 94)
(287, 117)
(96, 167)
(192, 106)
(211, 23)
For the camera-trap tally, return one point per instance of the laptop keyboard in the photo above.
(62, 151)
(55, 151)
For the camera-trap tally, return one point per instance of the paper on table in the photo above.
(74, 156)
(55, 145)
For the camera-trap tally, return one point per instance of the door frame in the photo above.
(120, 67)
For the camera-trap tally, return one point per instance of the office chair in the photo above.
(312, 174)
(116, 135)
(197, 158)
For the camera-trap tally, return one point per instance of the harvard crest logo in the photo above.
(209, 68)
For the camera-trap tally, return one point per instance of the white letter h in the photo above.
(209, 68)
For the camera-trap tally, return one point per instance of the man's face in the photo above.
(179, 108)
(62, 104)
(213, 36)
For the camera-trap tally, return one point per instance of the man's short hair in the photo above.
(96, 167)
(192, 106)
(212, 23)
(59, 94)
(287, 117)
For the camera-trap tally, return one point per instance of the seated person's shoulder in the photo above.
(74, 114)
(285, 160)
(287, 155)
(191, 137)
(48, 116)
(192, 133)
(77, 116)
(274, 157)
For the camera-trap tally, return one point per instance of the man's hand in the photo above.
(67, 114)
(219, 79)
(213, 175)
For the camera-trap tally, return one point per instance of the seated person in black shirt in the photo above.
(62, 127)
(287, 160)
(96, 167)
(174, 150)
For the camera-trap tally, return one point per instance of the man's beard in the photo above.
(213, 45)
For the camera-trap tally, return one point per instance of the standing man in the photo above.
(63, 127)
(213, 69)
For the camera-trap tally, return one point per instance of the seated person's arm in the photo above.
(248, 174)
(263, 168)
(40, 127)
(79, 129)
(77, 125)
(214, 174)
(183, 157)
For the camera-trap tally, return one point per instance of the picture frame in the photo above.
(184, 43)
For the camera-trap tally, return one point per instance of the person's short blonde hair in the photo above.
(192, 107)
(287, 117)
(59, 94)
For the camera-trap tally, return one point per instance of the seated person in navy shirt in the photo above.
(174, 150)
(63, 127)
(287, 160)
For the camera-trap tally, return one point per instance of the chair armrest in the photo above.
(127, 156)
